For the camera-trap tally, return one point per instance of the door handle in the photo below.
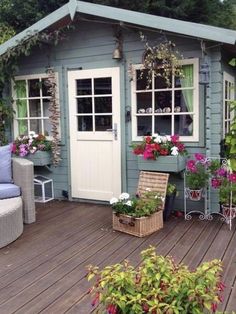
(114, 131)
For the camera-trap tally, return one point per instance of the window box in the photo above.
(40, 158)
(163, 163)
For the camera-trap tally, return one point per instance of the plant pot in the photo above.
(169, 205)
(194, 195)
(228, 211)
(163, 163)
(138, 227)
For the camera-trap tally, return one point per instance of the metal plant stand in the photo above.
(226, 215)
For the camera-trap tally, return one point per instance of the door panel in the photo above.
(94, 106)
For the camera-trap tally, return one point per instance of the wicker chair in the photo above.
(15, 211)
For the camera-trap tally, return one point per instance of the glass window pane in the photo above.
(22, 127)
(36, 126)
(84, 87)
(102, 123)
(144, 125)
(47, 127)
(84, 105)
(144, 102)
(102, 85)
(34, 108)
(20, 87)
(163, 102)
(184, 125)
(34, 88)
(162, 125)
(160, 81)
(85, 123)
(183, 100)
(141, 80)
(103, 104)
(45, 91)
(21, 108)
(46, 112)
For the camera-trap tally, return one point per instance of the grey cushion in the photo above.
(9, 190)
(5, 164)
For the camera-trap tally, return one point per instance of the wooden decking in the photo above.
(44, 270)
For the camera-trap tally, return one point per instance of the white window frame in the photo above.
(195, 113)
(227, 78)
(30, 77)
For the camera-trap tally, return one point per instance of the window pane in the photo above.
(160, 82)
(144, 102)
(183, 101)
(45, 88)
(163, 101)
(184, 125)
(144, 125)
(84, 105)
(34, 108)
(47, 127)
(141, 80)
(102, 123)
(187, 79)
(84, 87)
(46, 112)
(22, 127)
(36, 126)
(103, 104)
(20, 87)
(85, 123)
(102, 85)
(34, 88)
(162, 125)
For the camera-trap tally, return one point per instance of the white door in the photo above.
(94, 108)
(229, 90)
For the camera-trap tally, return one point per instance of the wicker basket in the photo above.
(139, 227)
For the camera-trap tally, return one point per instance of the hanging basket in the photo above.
(194, 195)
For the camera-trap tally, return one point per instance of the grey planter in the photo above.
(162, 163)
(40, 158)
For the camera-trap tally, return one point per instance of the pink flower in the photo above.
(199, 157)
(232, 177)
(191, 165)
(222, 172)
(213, 307)
(13, 148)
(174, 138)
(215, 183)
(180, 146)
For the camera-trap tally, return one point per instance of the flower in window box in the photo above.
(24, 145)
(154, 146)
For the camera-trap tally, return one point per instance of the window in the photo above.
(228, 97)
(167, 110)
(31, 104)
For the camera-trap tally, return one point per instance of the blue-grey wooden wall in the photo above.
(90, 45)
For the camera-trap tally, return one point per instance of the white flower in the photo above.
(114, 200)
(124, 196)
(33, 150)
(129, 203)
(158, 139)
(168, 138)
(163, 199)
(174, 151)
(31, 134)
(148, 190)
(164, 139)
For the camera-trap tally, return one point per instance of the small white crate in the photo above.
(43, 189)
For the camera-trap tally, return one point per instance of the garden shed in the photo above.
(104, 102)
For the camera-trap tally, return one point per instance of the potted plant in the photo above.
(138, 216)
(224, 179)
(197, 176)
(160, 153)
(170, 199)
(33, 147)
(158, 285)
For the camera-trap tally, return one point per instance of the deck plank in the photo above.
(44, 271)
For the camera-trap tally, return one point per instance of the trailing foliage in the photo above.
(230, 139)
(158, 286)
(6, 115)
